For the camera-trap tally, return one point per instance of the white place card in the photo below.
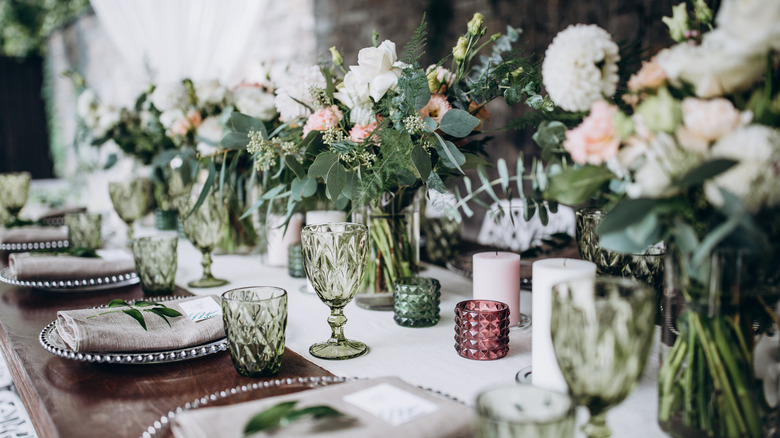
(200, 309)
(391, 404)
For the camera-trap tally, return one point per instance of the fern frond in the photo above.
(416, 46)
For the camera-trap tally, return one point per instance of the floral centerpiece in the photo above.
(688, 154)
(369, 137)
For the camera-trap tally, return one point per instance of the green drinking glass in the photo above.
(334, 256)
(203, 227)
(602, 332)
(524, 411)
(85, 230)
(132, 199)
(156, 261)
(14, 191)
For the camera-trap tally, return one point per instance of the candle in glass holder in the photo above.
(545, 274)
(280, 239)
(497, 277)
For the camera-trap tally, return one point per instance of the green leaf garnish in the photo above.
(283, 414)
(71, 251)
(132, 310)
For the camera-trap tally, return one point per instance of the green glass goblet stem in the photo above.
(602, 332)
(334, 257)
(203, 227)
(14, 191)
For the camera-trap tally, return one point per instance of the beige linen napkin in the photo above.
(33, 233)
(43, 267)
(450, 419)
(117, 332)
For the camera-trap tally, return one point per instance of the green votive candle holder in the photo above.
(524, 410)
(255, 323)
(156, 263)
(416, 301)
(295, 261)
(85, 230)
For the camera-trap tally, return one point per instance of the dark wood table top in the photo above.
(68, 398)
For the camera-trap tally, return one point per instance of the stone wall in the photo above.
(303, 30)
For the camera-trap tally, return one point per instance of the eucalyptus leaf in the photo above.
(705, 171)
(322, 164)
(450, 155)
(240, 122)
(625, 214)
(575, 186)
(234, 140)
(513, 94)
(503, 173)
(429, 125)
(336, 180)
(544, 218)
(295, 166)
(422, 161)
(458, 123)
(303, 188)
(485, 180)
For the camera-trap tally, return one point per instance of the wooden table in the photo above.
(68, 398)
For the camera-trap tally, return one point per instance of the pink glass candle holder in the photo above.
(482, 329)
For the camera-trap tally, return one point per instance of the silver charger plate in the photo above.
(53, 343)
(31, 246)
(83, 285)
(161, 427)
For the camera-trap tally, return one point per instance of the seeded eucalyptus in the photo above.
(135, 310)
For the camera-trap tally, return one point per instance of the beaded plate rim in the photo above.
(163, 423)
(83, 285)
(49, 337)
(31, 246)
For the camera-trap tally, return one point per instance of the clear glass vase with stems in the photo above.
(393, 223)
(721, 353)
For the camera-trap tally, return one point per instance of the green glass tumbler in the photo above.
(156, 263)
(203, 227)
(524, 411)
(85, 230)
(334, 256)
(416, 301)
(255, 322)
(14, 191)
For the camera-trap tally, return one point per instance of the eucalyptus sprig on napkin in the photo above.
(282, 414)
(71, 251)
(135, 310)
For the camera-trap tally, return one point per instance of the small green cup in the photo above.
(156, 263)
(255, 323)
(416, 301)
(524, 410)
(85, 230)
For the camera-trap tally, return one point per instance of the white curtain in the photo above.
(168, 40)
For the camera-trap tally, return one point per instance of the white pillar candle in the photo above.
(496, 277)
(315, 217)
(545, 274)
(279, 240)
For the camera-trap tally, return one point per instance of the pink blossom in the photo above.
(183, 125)
(651, 75)
(322, 119)
(595, 140)
(360, 133)
(436, 107)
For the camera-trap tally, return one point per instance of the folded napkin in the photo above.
(43, 267)
(449, 419)
(117, 332)
(33, 233)
(56, 216)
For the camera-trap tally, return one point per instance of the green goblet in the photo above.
(334, 256)
(14, 190)
(132, 199)
(203, 227)
(602, 333)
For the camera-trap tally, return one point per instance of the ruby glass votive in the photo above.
(482, 329)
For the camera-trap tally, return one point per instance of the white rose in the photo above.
(255, 102)
(170, 96)
(171, 117)
(720, 65)
(379, 68)
(661, 161)
(705, 121)
(754, 22)
(755, 179)
(210, 92)
(209, 135)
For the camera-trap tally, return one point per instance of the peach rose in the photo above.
(360, 133)
(322, 119)
(183, 125)
(651, 75)
(436, 107)
(595, 140)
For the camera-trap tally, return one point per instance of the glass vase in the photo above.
(721, 354)
(393, 223)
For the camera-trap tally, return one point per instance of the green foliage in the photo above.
(135, 310)
(415, 48)
(283, 414)
(25, 25)
(577, 185)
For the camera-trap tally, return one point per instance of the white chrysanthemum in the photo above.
(295, 85)
(255, 102)
(755, 179)
(580, 67)
(171, 96)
